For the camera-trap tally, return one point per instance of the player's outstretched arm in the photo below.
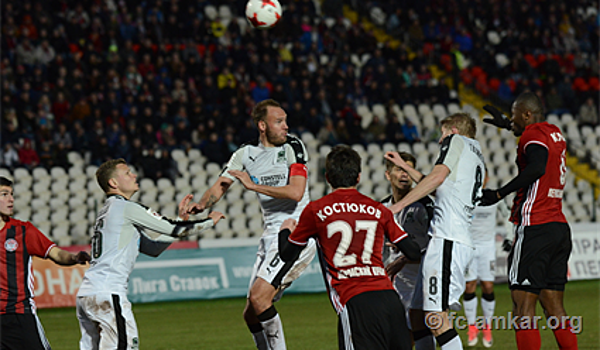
(537, 157)
(294, 190)
(62, 257)
(409, 248)
(395, 158)
(425, 187)
(211, 196)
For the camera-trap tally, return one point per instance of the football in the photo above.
(263, 14)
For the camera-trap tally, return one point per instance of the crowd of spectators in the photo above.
(550, 47)
(138, 79)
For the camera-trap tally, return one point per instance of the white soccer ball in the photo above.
(263, 14)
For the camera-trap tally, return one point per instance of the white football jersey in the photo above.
(483, 227)
(455, 197)
(270, 166)
(118, 231)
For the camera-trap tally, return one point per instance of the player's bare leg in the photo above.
(421, 333)
(258, 334)
(527, 336)
(261, 301)
(441, 328)
(552, 302)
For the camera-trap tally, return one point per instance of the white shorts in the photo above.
(483, 265)
(272, 269)
(106, 322)
(443, 275)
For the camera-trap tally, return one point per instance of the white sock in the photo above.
(470, 305)
(425, 343)
(273, 328)
(260, 339)
(449, 340)
(488, 304)
(454, 344)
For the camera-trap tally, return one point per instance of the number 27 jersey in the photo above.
(349, 228)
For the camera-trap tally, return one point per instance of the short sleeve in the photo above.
(534, 136)
(37, 243)
(450, 151)
(296, 152)
(306, 227)
(395, 233)
(235, 163)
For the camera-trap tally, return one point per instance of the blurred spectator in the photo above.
(409, 129)
(588, 113)
(63, 137)
(328, 135)
(10, 157)
(168, 165)
(28, 156)
(214, 149)
(151, 164)
(375, 131)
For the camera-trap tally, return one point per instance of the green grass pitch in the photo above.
(309, 322)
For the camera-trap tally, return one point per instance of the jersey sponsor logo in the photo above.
(251, 158)
(281, 157)
(526, 283)
(360, 271)
(555, 193)
(11, 245)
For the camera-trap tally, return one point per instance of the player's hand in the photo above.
(498, 119)
(395, 158)
(507, 245)
(194, 208)
(243, 177)
(289, 224)
(82, 257)
(392, 246)
(395, 266)
(183, 205)
(216, 216)
(489, 197)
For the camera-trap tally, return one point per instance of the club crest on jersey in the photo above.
(154, 214)
(281, 157)
(11, 245)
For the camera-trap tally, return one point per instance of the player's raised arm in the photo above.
(149, 219)
(395, 158)
(294, 190)
(428, 184)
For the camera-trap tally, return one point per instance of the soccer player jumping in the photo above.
(538, 260)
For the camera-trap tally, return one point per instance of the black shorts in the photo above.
(22, 332)
(374, 321)
(538, 259)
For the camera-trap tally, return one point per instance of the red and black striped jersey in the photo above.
(20, 241)
(349, 228)
(541, 202)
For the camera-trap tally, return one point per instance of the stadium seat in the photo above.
(211, 12)
(453, 108)
(164, 184)
(404, 147)
(57, 172)
(23, 214)
(194, 154)
(410, 112)
(40, 214)
(213, 169)
(90, 171)
(40, 173)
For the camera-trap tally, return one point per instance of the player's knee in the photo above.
(260, 301)
(470, 287)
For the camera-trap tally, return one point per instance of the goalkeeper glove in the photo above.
(489, 197)
(498, 119)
